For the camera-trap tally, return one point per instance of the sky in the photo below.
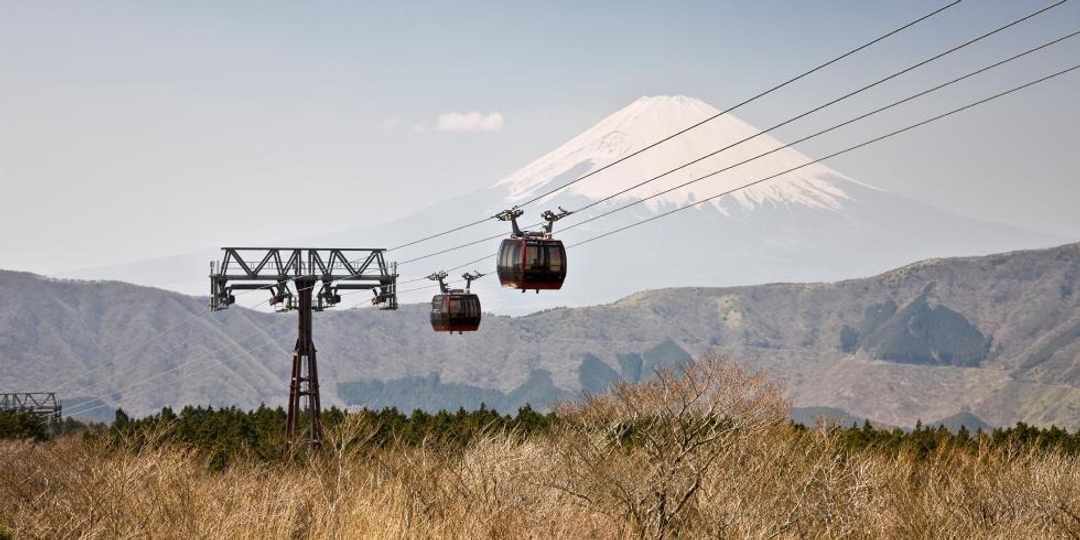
(133, 130)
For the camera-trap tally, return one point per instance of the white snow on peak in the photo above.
(651, 118)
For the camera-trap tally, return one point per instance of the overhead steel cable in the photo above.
(694, 126)
(591, 173)
(795, 118)
(459, 267)
(424, 278)
(835, 101)
(174, 368)
(629, 156)
(133, 349)
(83, 409)
(92, 387)
(737, 106)
(824, 131)
(662, 140)
(455, 248)
(161, 354)
(166, 331)
(830, 156)
(444, 233)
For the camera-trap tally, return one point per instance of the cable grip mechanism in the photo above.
(511, 215)
(440, 276)
(470, 277)
(552, 217)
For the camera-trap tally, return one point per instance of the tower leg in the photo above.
(305, 379)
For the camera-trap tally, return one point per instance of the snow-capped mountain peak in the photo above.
(645, 121)
(812, 225)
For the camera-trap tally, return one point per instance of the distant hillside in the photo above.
(997, 336)
(538, 390)
(963, 419)
(812, 416)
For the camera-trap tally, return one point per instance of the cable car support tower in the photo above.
(328, 269)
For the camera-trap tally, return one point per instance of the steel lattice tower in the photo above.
(306, 269)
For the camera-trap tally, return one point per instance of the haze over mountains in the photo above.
(992, 337)
(815, 224)
(996, 337)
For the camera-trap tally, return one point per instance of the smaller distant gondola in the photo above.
(455, 310)
(531, 260)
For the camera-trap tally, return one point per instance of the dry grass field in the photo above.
(703, 451)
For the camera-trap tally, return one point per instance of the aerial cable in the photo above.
(170, 329)
(694, 126)
(839, 99)
(460, 266)
(424, 278)
(421, 287)
(770, 129)
(411, 289)
(455, 248)
(830, 156)
(822, 132)
(158, 335)
(81, 409)
(744, 102)
(133, 349)
(444, 233)
(174, 368)
(197, 359)
(161, 354)
(835, 154)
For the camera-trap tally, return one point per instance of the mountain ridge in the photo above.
(133, 339)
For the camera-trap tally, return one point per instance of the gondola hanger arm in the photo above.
(440, 277)
(469, 279)
(552, 217)
(511, 215)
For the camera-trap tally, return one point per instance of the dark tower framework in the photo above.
(328, 269)
(42, 404)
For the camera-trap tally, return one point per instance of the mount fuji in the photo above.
(641, 124)
(813, 224)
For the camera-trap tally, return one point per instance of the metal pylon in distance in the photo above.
(291, 276)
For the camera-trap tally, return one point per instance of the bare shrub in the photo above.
(642, 451)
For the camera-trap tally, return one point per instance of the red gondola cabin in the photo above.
(532, 263)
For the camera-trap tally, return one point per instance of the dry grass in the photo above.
(750, 477)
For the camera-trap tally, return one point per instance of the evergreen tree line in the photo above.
(227, 433)
(925, 440)
(27, 425)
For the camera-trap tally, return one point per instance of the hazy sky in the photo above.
(131, 130)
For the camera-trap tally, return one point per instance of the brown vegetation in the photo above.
(699, 452)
